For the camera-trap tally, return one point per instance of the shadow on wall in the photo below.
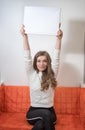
(69, 74)
(75, 38)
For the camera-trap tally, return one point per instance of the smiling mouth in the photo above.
(42, 68)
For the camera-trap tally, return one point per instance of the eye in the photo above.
(45, 61)
(38, 61)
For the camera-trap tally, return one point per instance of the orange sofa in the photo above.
(69, 104)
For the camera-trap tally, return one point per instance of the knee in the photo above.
(39, 125)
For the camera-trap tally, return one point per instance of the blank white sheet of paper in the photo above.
(42, 20)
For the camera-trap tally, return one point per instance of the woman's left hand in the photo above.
(59, 34)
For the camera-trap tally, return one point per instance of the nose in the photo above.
(41, 63)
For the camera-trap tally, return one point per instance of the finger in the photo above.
(60, 32)
(23, 25)
(59, 25)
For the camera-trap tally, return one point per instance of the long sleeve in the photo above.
(55, 61)
(28, 61)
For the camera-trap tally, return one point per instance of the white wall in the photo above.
(11, 47)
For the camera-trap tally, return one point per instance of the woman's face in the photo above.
(41, 63)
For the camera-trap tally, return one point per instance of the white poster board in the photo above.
(42, 20)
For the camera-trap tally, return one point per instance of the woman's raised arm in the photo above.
(27, 51)
(56, 54)
(25, 39)
(58, 39)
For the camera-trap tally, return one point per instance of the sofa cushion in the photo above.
(14, 121)
(68, 122)
(17, 121)
(17, 98)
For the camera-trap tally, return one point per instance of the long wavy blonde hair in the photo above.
(48, 77)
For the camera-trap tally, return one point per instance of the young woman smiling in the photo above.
(42, 74)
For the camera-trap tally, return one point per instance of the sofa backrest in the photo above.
(17, 98)
(66, 101)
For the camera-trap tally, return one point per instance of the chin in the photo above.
(42, 70)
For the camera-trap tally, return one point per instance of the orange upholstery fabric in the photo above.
(69, 103)
(67, 100)
(17, 99)
(82, 106)
(1, 99)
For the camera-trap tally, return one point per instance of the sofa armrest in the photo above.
(82, 106)
(1, 99)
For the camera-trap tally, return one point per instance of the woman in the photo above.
(42, 81)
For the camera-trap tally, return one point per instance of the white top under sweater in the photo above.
(40, 98)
